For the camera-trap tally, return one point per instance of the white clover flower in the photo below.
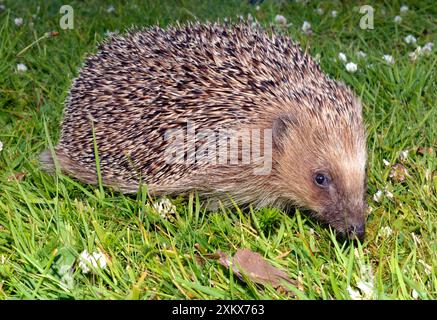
(366, 281)
(403, 9)
(354, 294)
(410, 39)
(319, 11)
(420, 51)
(386, 231)
(403, 155)
(334, 13)
(386, 163)
(361, 54)
(84, 256)
(96, 259)
(257, 8)
(414, 55)
(351, 67)
(306, 28)
(110, 9)
(21, 67)
(342, 57)
(388, 58)
(415, 294)
(427, 48)
(164, 208)
(1, 146)
(366, 288)
(280, 19)
(18, 22)
(388, 194)
(377, 196)
(397, 19)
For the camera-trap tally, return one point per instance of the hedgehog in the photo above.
(234, 113)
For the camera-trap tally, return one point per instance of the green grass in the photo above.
(46, 221)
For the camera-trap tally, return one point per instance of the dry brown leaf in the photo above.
(256, 268)
(19, 176)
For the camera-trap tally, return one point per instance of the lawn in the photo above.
(47, 222)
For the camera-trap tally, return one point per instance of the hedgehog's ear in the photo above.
(280, 126)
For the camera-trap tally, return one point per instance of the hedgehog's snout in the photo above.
(356, 231)
(352, 233)
(349, 223)
(353, 228)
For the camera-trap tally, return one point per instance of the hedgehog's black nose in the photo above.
(356, 231)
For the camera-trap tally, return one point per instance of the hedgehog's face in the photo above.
(324, 170)
(336, 195)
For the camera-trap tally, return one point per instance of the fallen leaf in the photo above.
(19, 176)
(256, 268)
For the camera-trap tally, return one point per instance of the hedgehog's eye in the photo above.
(321, 179)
